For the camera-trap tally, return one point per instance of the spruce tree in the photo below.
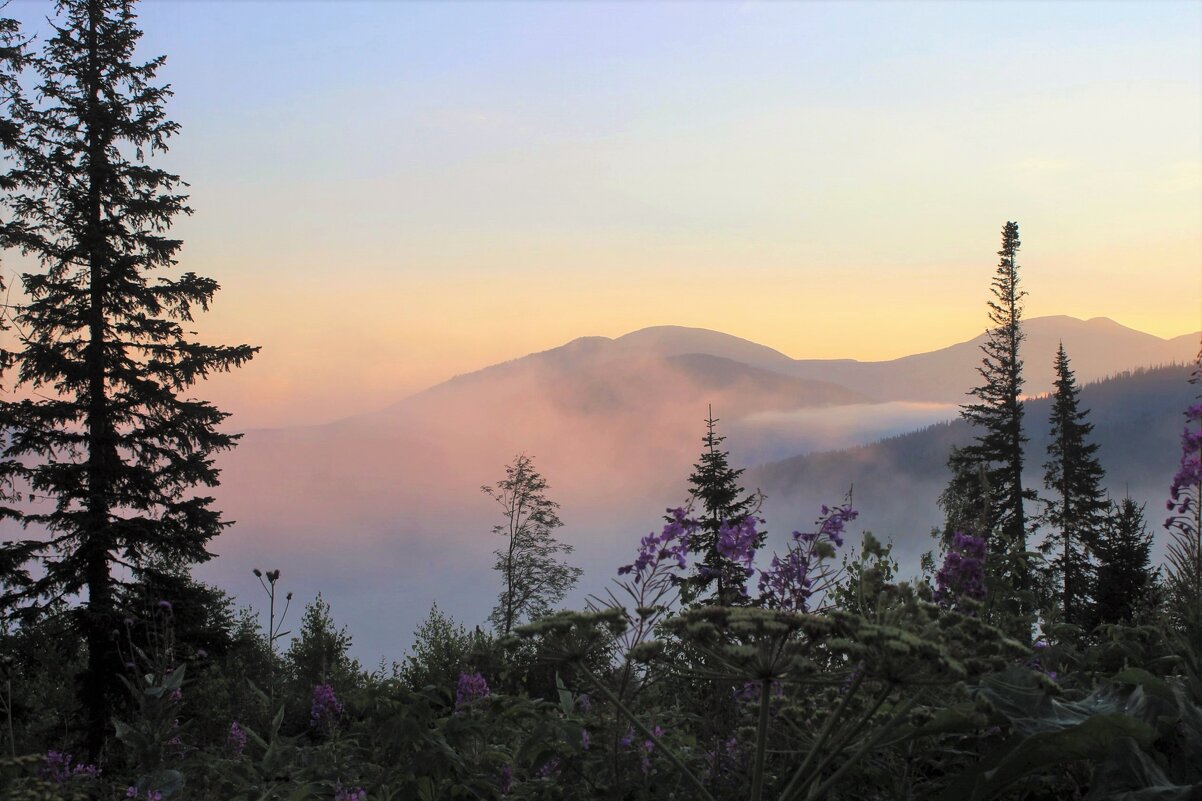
(997, 415)
(111, 445)
(1126, 581)
(533, 579)
(1077, 510)
(715, 484)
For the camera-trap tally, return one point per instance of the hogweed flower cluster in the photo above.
(472, 687)
(962, 574)
(326, 709)
(59, 768)
(789, 581)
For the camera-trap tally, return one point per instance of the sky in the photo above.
(392, 193)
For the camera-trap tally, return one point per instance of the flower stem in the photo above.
(638, 724)
(761, 741)
(795, 782)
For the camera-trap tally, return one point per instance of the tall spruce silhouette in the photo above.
(111, 448)
(988, 471)
(1077, 509)
(715, 484)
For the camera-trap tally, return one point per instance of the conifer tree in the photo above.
(111, 446)
(716, 485)
(533, 579)
(13, 60)
(1077, 510)
(320, 652)
(997, 415)
(1126, 580)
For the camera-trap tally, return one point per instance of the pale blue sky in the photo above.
(447, 185)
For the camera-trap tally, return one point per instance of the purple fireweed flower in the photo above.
(346, 794)
(737, 541)
(670, 546)
(962, 574)
(1035, 663)
(750, 691)
(151, 795)
(325, 709)
(472, 687)
(627, 739)
(584, 739)
(236, 739)
(788, 583)
(1187, 483)
(584, 703)
(60, 769)
(648, 749)
(506, 779)
(165, 606)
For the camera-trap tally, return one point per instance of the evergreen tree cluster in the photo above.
(1097, 553)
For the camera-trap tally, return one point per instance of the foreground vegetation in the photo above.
(829, 682)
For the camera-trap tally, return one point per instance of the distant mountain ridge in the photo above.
(1099, 347)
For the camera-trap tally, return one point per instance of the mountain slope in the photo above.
(1138, 422)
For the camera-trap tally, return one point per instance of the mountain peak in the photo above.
(678, 340)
